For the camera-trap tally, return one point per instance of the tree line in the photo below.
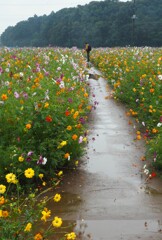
(108, 23)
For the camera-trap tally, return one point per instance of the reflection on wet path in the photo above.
(107, 197)
(122, 230)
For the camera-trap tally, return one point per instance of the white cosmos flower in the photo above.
(44, 161)
(146, 171)
(21, 74)
(62, 85)
(160, 77)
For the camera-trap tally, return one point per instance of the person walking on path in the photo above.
(88, 49)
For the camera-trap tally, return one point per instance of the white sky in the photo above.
(14, 11)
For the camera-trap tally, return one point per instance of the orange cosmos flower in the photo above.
(38, 236)
(4, 97)
(78, 125)
(143, 158)
(128, 114)
(28, 126)
(5, 214)
(2, 200)
(86, 95)
(138, 137)
(134, 113)
(74, 137)
(36, 80)
(67, 155)
(154, 130)
(152, 90)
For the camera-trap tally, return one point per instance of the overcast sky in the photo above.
(14, 11)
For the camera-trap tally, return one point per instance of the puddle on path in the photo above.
(107, 196)
(118, 230)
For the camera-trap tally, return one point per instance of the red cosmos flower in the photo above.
(160, 118)
(153, 174)
(48, 118)
(67, 113)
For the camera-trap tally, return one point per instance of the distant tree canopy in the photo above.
(107, 23)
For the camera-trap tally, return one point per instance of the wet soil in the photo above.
(108, 197)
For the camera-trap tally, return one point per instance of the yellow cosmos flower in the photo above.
(69, 128)
(62, 144)
(28, 227)
(57, 197)
(57, 222)
(46, 105)
(46, 214)
(76, 163)
(2, 189)
(76, 114)
(44, 183)
(143, 76)
(29, 173)
(21, 159)
(11, 178)
(41, 175)
(89, 107)
(4, 97)
(71, 236)
(60, 173)
(21, 101)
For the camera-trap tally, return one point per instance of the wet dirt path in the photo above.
(107, 196)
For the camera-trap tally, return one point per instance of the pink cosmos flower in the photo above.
(16, 94)
(80, 139)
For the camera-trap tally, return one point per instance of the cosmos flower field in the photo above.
(135, 75)
(44, 109)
